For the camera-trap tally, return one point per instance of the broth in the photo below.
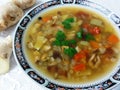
(72, 45)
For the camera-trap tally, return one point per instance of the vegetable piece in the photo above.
(79, 56)
(82, 15)
(36, 55)
(46, 19)
(96, 22)
(84, 43)
(79, 67)
(39, 42)
(89, 37)
(35, 29)
(86, 26)
(95, 30)
(67, 23)
(94, 44)
(86, 51)
(113, 39)
(70, 51)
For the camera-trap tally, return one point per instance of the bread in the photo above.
(5, 53)
(24, 4)
(10, 14)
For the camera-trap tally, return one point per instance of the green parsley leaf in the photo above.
(67, 23)
(79, 35)
(60, 36)
(89, 37)
(57, 43)
(70, 51)
(68, 42)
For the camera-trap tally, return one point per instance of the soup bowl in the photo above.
(108, 81)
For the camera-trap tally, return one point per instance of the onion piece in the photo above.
(96, 22)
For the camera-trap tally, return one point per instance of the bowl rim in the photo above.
(14, 51)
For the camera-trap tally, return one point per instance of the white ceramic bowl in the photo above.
(107, 82)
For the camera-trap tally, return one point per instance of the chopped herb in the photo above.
(72, 42)
(70, 51)
(89, 37)
(79, 35)
(65, 43)
(68, 42)
(60, 40)
(67, 26)
(84, 35)
(60, 36)
(69, 20)
(57, 43)
(67, 23)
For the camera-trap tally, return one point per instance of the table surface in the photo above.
(16, 79)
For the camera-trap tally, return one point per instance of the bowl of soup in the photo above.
(69, 45)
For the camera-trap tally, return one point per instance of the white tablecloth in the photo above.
(16, 79)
